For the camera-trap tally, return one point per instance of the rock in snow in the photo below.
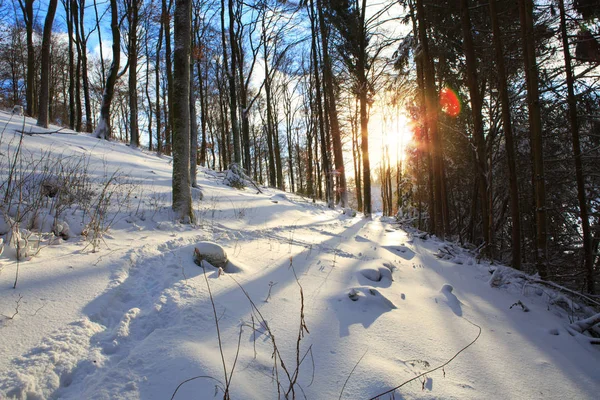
(211, 252)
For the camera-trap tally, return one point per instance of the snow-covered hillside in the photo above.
(354, 306)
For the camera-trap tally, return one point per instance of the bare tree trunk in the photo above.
(147, 83)
(182, 196)
(269, 126)
(193, 130)
(203, 116)
(27, 9)
(67, 6)
(574, 125)
(133, 14)
(45, 81)
(432, 117)
(508, 136)
(103, 72)
(476, 106)
(356, 157)
(329, 86)
(159, 142)
(235, 129)
(535, 126)
(84, 69)
(103, 130)
(166, 11)
(326, 165)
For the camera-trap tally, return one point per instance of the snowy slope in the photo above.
(135, 319)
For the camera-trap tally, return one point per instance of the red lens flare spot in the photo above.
(449, 102)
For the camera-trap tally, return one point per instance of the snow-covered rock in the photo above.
(212, 253)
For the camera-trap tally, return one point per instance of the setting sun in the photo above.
(393, 133)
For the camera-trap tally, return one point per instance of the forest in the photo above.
(477, 121)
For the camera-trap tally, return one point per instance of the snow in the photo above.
(131, 316)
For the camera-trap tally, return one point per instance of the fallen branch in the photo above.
(434, 369)
(562, 288)
(16, 308)
(40, 133)
(586, 324)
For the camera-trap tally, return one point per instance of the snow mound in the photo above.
(235, 177)
(210, 252)
(451, 299)
(371, 298)
(377, 274)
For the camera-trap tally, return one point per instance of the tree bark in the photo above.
(476, 106)
(535, 126)
(182, 196)
(431, 116)
(45, 81)
(159, 141)
(103, 130)
(133, 58)
(508, 137)
(334, 124)
(27, 8)
(574, 126)
(166, 10)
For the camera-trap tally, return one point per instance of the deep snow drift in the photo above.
(374, 305)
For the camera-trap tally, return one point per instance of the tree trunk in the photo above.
(159, 142)
(203, 116)
(166, 10)
(146, 87)
(182, 196)
(574, 125)
(363, 85)
(476, 106)
(133, 57)
(67, 6)
(45, 81)
(193, 130)
(329, 86)
(84, 69)
(535, 126)
(27, 8)
(103, 130)
(508, 136)
(431, 115)
(269, 127)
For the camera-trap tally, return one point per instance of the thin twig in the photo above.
(436, 368)
(218, 330)
(194, 378)
(16, 308)
(349, 375)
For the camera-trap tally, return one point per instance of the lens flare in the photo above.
(450, 102)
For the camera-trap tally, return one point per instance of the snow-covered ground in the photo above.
(372, 304)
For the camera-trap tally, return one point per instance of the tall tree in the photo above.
(27, 9)
(508, 137)
(103, 129)
(431, 116)
(133, 19)
(329, 84)
(182, 196)
(349, 18)
(78, 13)
(574, 126)
(476, 112)
(535, 128)
(46, 42)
